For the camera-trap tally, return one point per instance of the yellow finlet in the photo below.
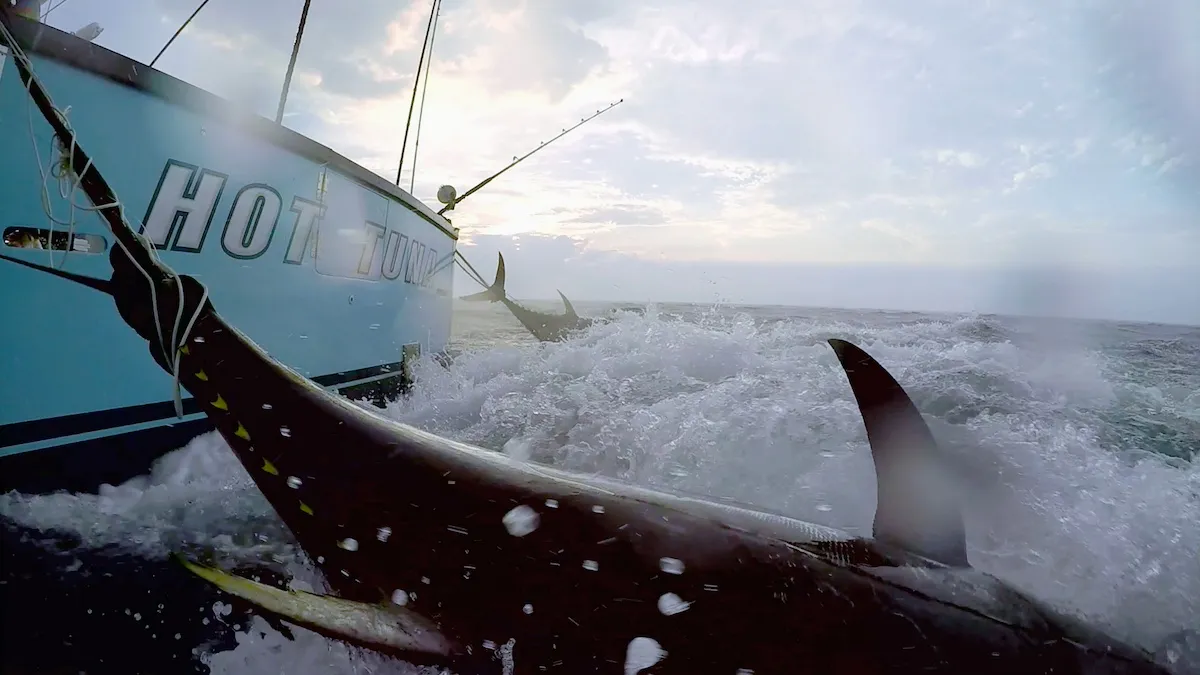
(306, 508)
(202, 376)
(220, 403)
(241, 432)
(184, 350)
(270, 468)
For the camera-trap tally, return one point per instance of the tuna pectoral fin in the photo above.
(390, 629)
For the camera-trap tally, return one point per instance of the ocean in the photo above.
(1081, 439)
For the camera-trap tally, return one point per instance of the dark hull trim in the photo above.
(50, 428)
(84, 466)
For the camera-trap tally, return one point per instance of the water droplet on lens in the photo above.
(642, 653)
(521, 520)
(669, 603)
(671, 565)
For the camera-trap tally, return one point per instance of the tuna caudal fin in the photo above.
(570, 309)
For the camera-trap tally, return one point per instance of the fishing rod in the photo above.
(450, 200)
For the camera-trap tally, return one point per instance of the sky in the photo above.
(1021, 157)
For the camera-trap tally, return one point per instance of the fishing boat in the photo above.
(339, 273)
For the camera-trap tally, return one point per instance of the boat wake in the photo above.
(1082, 451)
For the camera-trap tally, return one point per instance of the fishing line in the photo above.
(117, 224)
(470, 269)
(474, 277)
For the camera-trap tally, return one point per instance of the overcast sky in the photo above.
(1021, 156)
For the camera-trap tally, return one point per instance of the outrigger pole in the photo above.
(433, 11)
(287, 79)
(454, 201)
(177, 31)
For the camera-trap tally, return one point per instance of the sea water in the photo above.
(1081, 438)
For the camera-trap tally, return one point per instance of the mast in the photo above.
(287, 80)
(412, 104)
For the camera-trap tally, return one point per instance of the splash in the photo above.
(1073, 503)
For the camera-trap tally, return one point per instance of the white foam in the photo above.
(195, 496)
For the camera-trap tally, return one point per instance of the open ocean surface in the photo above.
(1083, 439)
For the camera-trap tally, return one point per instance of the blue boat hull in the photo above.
(337, 273)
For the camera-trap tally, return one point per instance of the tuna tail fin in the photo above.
(495, 292)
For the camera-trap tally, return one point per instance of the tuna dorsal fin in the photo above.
(918, 507)
(567, 303)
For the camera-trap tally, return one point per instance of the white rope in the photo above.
(63, 169)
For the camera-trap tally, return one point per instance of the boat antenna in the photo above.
(177, 32)
(420, 62)
(453, 201)
(287, 79)
(412, 181)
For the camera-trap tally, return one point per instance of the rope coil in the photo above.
(67, 174)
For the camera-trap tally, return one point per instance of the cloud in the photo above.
(620, 214)
(797, 132)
